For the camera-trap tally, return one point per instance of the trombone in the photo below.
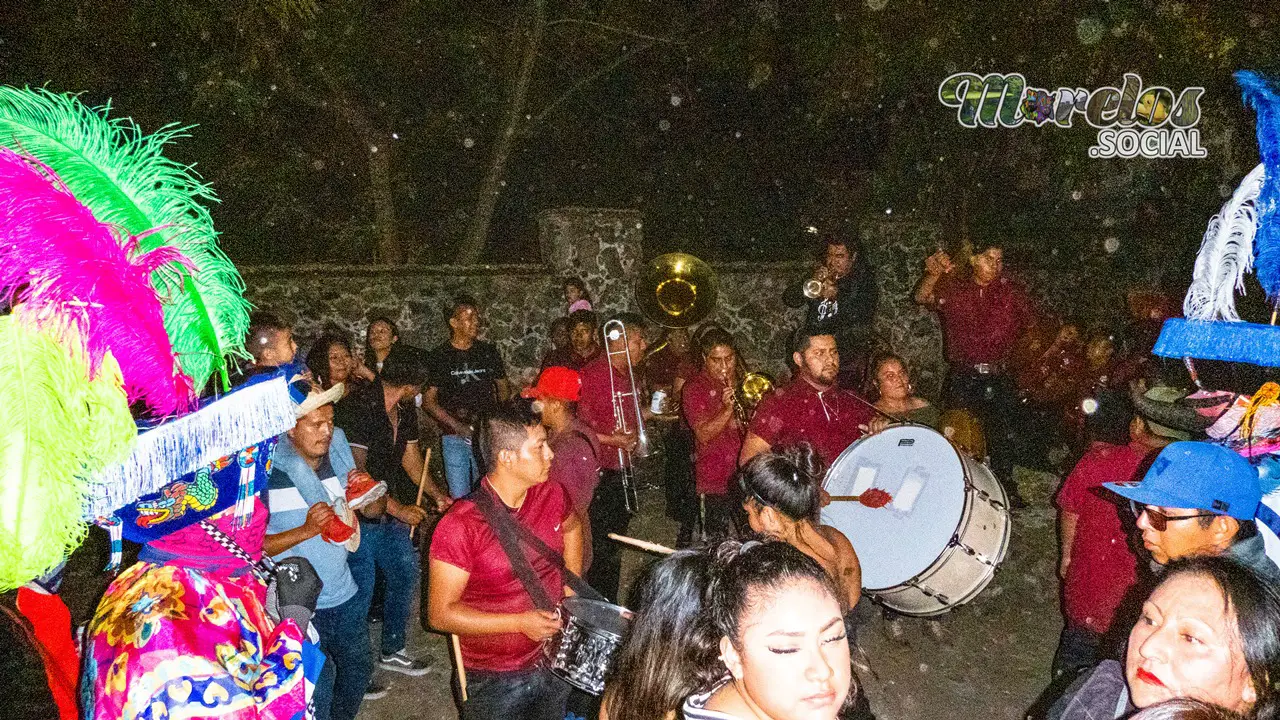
(615, 330)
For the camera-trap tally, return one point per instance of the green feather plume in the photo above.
(121, 175)
(56, 428)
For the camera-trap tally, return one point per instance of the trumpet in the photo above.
(813, 286)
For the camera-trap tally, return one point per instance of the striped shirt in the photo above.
(289, 510)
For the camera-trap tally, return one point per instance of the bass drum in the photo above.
(938, 542)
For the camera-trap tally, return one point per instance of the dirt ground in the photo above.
(991, 661)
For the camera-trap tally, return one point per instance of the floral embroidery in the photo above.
(134, 617)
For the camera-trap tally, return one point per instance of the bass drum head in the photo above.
(924, 475)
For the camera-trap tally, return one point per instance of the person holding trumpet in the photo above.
(840, 300)
(712, 409)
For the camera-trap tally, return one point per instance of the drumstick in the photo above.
(462, 670)
(642, 544)
(422, 485)
(872, 498)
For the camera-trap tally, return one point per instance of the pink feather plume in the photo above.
(66, 268)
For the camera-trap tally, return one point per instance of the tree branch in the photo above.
(620, 31)
(587, 80)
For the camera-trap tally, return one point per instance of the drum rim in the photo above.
(590, 629)
(965, 517)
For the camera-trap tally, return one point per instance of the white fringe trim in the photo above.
(165, 453)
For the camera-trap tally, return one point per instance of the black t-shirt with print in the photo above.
(466, 380)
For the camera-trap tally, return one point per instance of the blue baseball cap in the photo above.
(1197, 476)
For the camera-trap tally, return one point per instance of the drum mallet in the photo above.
(462, 670)
(642, 544)
(422, 485)
(872, 498)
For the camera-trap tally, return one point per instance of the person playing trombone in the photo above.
(711, 408)
(606, 405)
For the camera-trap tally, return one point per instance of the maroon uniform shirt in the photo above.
(981, 322)
(595, 404)
(714, 461)
(576, 464)
(464, 540)
(1103, 567)
(797, 412)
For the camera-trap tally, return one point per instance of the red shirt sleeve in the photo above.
(1075, 488)
(451, 540)
(766, 424)
(696, 402)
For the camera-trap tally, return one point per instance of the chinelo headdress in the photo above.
(1243, 236)
(114, 294)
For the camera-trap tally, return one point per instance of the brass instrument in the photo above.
(675, 290)
(750, 391)
(813, 286)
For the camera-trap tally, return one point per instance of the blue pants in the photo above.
(460, 471)
(386, 547)
(533, 694)
(344, 639)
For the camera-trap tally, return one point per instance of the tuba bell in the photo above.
(676, 290)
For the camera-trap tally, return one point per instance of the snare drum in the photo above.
(938, 543)
(587, 646)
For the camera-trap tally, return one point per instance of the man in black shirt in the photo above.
(844, 307)
(465, 381)
(381, 424)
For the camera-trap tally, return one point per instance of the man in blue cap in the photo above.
(1199, 499)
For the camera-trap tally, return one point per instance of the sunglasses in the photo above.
(1160, 521)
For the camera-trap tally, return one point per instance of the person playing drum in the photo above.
(473, 590)
(811, 408)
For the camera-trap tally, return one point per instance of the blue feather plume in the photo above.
(1261, 95)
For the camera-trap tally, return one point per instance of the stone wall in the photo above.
(603, 247)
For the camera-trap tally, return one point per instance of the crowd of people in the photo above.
(756, 613)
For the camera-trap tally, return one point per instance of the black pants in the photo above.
(994, 399)
(719, 517)
(535, 694)
(608, 514)
(681, 497)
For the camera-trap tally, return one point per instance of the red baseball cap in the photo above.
(556, 383)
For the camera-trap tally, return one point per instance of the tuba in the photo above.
(675, 290)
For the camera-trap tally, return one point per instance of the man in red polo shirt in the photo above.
(982, 316)
(609, 512)
(474, 592)
(708, 408)
(576, 465)
(811, 408)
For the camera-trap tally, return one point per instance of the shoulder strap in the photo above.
(501, 522)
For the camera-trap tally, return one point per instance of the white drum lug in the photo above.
(955, 543)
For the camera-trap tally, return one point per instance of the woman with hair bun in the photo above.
(783, 653)
(780, 495)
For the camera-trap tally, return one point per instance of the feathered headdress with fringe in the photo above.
(121, 176)
(62, 266)
(1244, 235)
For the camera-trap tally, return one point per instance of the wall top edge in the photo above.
(320, 269)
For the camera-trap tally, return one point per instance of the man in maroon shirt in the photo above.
(811, 408)
(982, 316)
(603, 377)
(475, 594)
(576, 465)
(1098, 568)
(708, 405)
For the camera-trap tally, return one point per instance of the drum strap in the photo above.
(510, 533)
